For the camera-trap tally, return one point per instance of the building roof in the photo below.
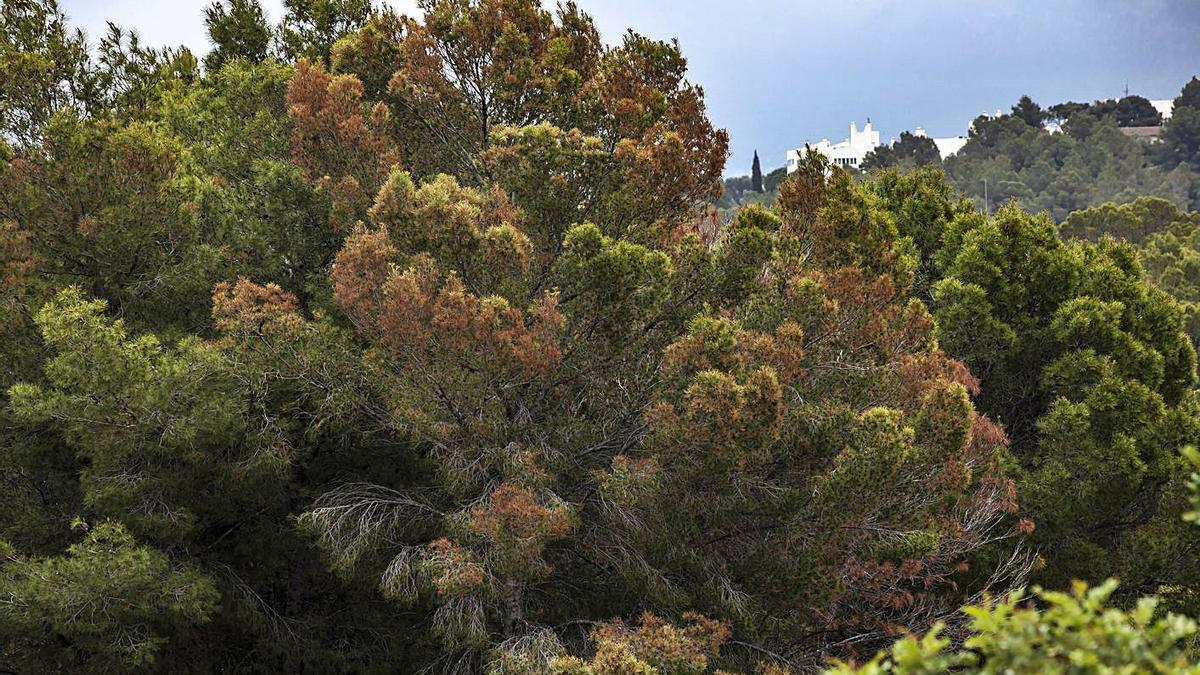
(1151, 133)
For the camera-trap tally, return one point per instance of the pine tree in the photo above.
(1190, 96)
(237, 29)
(1031, 113)
(756, 177)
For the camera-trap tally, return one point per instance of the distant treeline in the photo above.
(1058, 159)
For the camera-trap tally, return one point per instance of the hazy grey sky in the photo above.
(778, 72)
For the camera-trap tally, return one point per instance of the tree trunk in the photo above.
(514, 613)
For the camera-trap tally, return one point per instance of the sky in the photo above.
(780, 72)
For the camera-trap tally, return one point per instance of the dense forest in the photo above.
(1087, 160)
(372, 343)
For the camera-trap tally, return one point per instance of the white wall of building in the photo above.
(853, 150)
(1164, 107)
(946, 146)
(849, 153)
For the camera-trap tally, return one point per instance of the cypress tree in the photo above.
(756, 177)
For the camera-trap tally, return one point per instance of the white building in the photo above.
(946, 146)
(1164, 107)
(850, 152)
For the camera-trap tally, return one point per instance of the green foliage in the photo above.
(1181, 136)
(1136, 111)
(756, 177)
(1029, 112)
(129, 77)
(1086, 365)
(1074, 633)
(1135, 222)
(1190, 95)
(923, 206)
(141, 417)
(111, 207)
(1061, 112)
(44, 65)
(1193, 458)
(907, 152)
(1086, 163)
(737, 191)
(238, 30)
(1167, 243)
(107, 604)
(310, 28)
(614, 283)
